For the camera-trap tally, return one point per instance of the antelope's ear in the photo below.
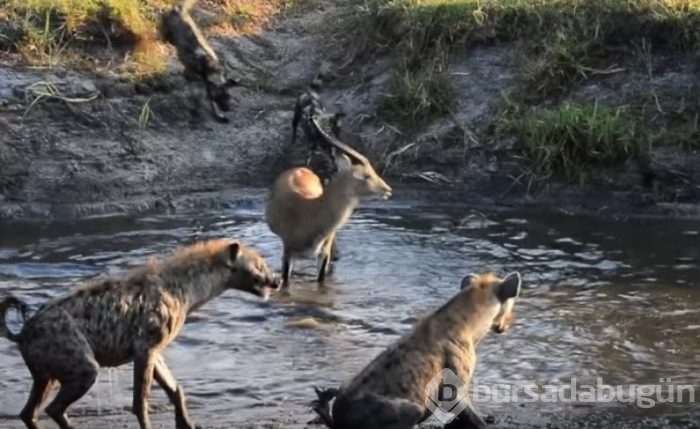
(343, 162)
(233, 252)
(509, 287)
(468, 280)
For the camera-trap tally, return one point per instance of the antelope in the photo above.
(307, 215)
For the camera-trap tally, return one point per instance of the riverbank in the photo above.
(518, 417)
(80, 142)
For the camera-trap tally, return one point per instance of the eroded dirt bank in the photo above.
(90, 149)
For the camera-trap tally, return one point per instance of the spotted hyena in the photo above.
(199, 59)
(310, 113)
(113, 321)
(390, 393)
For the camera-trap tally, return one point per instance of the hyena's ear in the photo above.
(509, 287)
(233, 252)
(231, 82)
(467, 280)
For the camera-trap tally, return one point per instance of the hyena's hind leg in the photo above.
(41, 388)
(56, 350)
(76, 375)
(372, 411)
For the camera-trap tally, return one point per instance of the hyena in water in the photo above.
(113, 321)
(390, 393)
(199, 59)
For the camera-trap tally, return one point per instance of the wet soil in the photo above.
(62, 159)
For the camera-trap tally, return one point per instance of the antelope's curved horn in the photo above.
(347, 150)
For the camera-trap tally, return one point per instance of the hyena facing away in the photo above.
(199, 59)
(310, 112)
(113, 321)
(390, 393)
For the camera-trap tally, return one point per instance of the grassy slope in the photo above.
(565, 43)
(52, 32)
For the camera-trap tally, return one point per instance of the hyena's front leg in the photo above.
(194, 95)
(144, 364)
(462, 362)
(215, 111)
(167, 381)
(467, 419)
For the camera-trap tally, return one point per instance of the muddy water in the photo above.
(602, 298)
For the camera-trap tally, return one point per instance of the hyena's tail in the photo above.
(322, 405)
(5, 305)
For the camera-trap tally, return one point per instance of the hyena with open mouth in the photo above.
(391, 392)
(114, 321)
(199, 59)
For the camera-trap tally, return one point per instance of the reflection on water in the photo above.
(620, 301)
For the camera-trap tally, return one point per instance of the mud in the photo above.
(522, 420)
(95, 156)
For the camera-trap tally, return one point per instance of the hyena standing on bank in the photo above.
(199, 59)
(390, 393)
(310, 112)
(317, 124)
(113, 321)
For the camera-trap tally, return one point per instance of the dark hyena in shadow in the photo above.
(310, 113)
(199, 59)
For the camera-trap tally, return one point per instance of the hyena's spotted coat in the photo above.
(113, 321)
(390, 393)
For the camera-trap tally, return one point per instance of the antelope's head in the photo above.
(364, 181)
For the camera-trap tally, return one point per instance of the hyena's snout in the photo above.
(267, 283)
(503, 322)
(501, 327)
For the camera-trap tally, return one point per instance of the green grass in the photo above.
(562, 42)
(58, 31)
(417, 97)
(564, 143)
(54, 30)
(560, 45)
(422, 26)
